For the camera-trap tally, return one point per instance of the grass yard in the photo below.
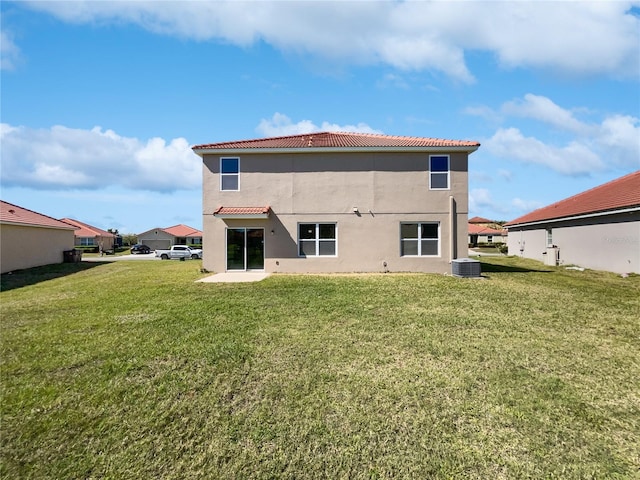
(132, 370)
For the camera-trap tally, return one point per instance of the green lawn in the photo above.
(131, 370)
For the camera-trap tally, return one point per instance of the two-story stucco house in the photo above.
(335, 202)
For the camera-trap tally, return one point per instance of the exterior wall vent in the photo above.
(465, 267)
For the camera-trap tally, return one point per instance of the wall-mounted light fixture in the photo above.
(355, 210)
(273, 232)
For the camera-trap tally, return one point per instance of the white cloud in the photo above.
(483, 111)
(612, 143)
(480, 200)
(281, 125)
(619, 136)
(405, 35)
(10, 55)
(543, 109)
(571, 159)
(62, 158)
(525, 205)
(393, 80)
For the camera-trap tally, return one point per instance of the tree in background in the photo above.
(129, 239)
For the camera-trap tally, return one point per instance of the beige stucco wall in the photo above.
(106, 242)
(156, 239)
(610, 243)
(387, 188)
(26, 247)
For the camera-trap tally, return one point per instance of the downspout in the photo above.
(453, 228)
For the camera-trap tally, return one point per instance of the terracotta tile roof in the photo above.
(621, 193)
(86, 230)
(13, 214)
(183, 231)
(480, 220)
(242, 210)
(338, 140)
(475, 229)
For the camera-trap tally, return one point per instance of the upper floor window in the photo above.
(420, 239)
(439, 172)
(229, 174)
(317, 239)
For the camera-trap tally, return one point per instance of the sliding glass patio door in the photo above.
(245, 249)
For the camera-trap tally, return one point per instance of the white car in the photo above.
(181, 252)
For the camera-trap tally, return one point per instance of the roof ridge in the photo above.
(31, 211)
(337, 139)
(624, 200)
(191, 229)
(92, 228)
(590, 190)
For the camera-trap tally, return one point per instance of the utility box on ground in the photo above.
(552, 256)
(465, 267)
(72, 256)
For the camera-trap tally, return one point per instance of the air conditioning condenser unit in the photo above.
(465, 267)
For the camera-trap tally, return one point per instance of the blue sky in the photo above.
(101, 101)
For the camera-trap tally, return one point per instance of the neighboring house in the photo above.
(89, 236)
(185, 235)
(164, 238)
(597, 229)
(481, 221)
(484, 234)
(30, 239)
(483, 230)
(335, 202)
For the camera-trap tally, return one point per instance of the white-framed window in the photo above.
(229, 173)
(549, 237)
(317, 239)
(420, 239)
(439, 172)
(87, 241)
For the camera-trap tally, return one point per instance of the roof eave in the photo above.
(573, 217)
(25, 224)
(242, 216)
(236, 151)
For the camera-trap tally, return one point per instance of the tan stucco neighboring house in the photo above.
(89, 236)
(335, 202)
(483, 230)
(164, 238)
(185, 235)
(597, 229)
(484, 234)
(30, 239)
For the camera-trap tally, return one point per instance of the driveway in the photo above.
(122, 258)
(473, 253)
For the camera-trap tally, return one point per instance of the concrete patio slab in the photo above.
(234, 277)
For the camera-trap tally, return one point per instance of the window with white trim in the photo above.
(549, 237)
(420, 239)
(229, 173)
(87, 241)
(317, 239)
(439, 172)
